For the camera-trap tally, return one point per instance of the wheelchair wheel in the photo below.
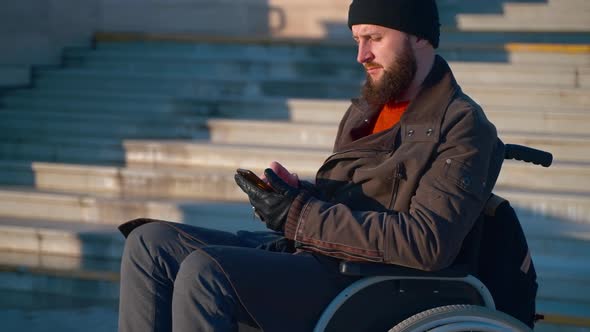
(461, 317)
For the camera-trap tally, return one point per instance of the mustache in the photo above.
(372, 65)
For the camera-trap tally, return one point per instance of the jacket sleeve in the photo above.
(449, 198)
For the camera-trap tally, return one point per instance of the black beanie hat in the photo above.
(417, 17)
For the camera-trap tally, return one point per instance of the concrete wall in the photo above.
(34, 31)
(241, 17)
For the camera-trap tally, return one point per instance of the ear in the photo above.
(419, 43)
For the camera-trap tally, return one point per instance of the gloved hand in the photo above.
(271, 207)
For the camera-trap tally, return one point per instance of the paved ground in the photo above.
(42, 313)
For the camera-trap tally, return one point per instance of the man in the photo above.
(414, 162)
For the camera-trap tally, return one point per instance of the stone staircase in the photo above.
(546, 16)
(145, 128)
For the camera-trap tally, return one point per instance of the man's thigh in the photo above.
(155, 231)
(281, 291)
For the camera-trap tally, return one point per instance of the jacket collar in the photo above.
(423, 118)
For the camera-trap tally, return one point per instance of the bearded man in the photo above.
(413, 165)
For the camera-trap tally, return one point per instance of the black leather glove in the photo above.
(271, 207)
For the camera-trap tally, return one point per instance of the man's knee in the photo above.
(197, 267)
(149, 241)
(203, 296)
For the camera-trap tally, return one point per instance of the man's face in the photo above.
(388, 58)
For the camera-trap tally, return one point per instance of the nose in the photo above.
(364, 54)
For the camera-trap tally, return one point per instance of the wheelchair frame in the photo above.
(365, 282)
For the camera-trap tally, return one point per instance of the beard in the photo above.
(395, 81)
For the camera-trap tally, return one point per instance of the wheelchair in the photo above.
(449, 300)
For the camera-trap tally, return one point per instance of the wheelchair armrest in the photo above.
(374, 269)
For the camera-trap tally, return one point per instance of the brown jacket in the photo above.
(408, 195)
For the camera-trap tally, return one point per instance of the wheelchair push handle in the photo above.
(529, 155)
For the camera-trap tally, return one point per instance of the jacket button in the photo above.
(448, 161)
(410, 132)
(466, 181)
(429, 132)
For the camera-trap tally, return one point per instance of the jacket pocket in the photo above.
(463, 177)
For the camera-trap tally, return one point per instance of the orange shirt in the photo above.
(390, 115)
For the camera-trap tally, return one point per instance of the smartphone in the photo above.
(253, 178)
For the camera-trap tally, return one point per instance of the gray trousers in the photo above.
(176, 277)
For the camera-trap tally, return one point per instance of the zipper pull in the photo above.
(400, 171)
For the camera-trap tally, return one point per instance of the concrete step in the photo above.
(204, 64)
(566, 206)
(48, 115)
(85, 241)
(566, 177)
(198, 182)
(27, 203)
(95, 242)
(563, 279)
(561, 176)
(553, 121)
(273, 133)
(26, 311)
(126, 107)
(514, 74)
(498, 53)
(216, 183)
(581, 4)
(57, 275)
(64, 150)
(89, 256)
(133, 105)
(567, 148)
(547, 22)
(544, 119)
(548, 17)
(345, 68)
(529, 97)
(562, 316)
(309, 88)
(466, 41)
(321, 136)
(549, 236)
(505, 46)
(14, 76)
(98, 243)
(539, 120)
(16, 125)
(528, 10)
(42, 295)
(79, 101)
(584, 77)
(80, 259)
(189, 155)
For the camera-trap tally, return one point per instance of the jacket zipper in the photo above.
(398, 175)
(339, 253)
